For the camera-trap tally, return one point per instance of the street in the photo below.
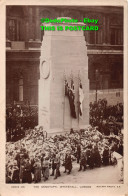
(102, 175)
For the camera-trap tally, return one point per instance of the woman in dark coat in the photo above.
(78, 152)
(97, 157)
(106, 156)
(68, 162)
(53, 164)
(27, 176)
(90, 158)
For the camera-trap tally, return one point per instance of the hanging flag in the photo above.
(70, 93)
(72, 86)
(81, 98)
(66, 88)
(72, 99)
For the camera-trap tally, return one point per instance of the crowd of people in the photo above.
(37, 157)
(108, 118)
(19, 119)
(32, 157)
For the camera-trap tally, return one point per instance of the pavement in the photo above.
(102, 175)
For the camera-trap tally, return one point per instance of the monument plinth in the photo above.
(62, 53)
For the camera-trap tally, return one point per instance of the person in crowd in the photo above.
(46, 168)
(21, 155)
(22, 165)
(97, 157)
(71, 131)
(15, 173)
(83, 161)
(120, 147)
(90, 159)
(32, 162)
(42, 131)
(37, 170)
(106, 156)
(68, 162)
(27, 176)
(42, 166)
(8, 177)
(113, 160)
(78, 152)
(53, 164)
(57, 163)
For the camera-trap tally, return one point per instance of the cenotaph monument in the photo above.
(63, 55)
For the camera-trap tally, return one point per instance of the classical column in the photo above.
(108, 30)
(8, 42)
(37, 25)
(104, 30)
(7, 30)
(31, 30)
(26, 29)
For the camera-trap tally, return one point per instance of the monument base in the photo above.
(53, 132)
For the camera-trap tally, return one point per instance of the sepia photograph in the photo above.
(64, 75)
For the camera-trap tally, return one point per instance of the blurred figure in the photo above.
(53, 164)
(46, 168)
(68, 162)
(15, 174)
(83, 161)
(27, 176)
(37, 170)
(57, 163)
(78, 152)
(106, 156)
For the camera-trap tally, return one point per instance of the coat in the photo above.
(15, 175)
(46, 168)
(68, 162)
(37, 172)
(27, 176)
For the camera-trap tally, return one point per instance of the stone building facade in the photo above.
(23, 42)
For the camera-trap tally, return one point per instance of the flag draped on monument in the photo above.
(69, 92)
(81, 98)
(72, 100)
(66, 88)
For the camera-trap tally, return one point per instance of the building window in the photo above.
(13, 27)
(92, 39)
(116, 36)
(99, 36)
(96, 37)
(21, 89)
(116, 75)
(15, 89)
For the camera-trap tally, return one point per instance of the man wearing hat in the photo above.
(78, 151)
(53, 164)
(68, 162)
(57, 163)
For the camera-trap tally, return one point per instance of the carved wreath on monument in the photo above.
(45, 69)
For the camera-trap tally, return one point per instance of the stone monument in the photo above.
(63, 54)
